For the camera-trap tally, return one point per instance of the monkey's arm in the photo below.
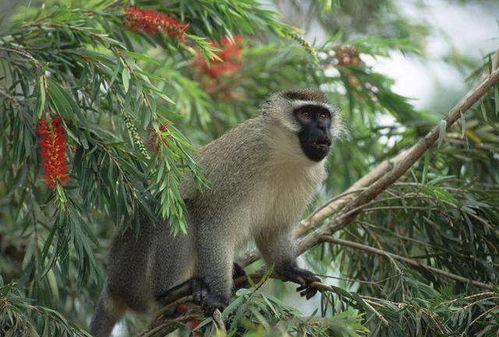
(278, 249)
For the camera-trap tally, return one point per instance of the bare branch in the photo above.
(10, 98)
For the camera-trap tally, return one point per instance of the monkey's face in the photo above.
(315, 133)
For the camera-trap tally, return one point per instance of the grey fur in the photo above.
(260, 184)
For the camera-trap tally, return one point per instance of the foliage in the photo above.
(125, 102)
(18, 317)
(252, 313)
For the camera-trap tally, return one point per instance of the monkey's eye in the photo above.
(305, 115)
(323, 115)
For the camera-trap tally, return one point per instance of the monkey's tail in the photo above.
(107, 313)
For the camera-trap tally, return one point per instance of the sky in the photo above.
(471, 28)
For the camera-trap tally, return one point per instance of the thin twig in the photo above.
(406, 260)
(479, 317)
(23, 53)
(10, 98)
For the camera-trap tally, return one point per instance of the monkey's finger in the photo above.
(310, 294)
(303, 293)
(300, 288)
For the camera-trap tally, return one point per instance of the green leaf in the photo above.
(41, 107)
(496, 100)
(125, 76)
(439, 193)
(62, 102)
(484, 111)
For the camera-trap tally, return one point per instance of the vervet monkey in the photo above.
(262, 174)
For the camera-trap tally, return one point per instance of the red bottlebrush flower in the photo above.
(185, 309)
(229, 55)
(152, 22)
(52, 141)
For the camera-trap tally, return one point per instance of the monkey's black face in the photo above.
(315, 134)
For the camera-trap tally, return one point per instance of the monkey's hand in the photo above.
(301, 276)
(237, 271)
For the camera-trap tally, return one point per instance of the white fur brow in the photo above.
(299, 103)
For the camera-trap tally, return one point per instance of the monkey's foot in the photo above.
(199, 291)
(303, 277)
(214, 302)
(195, 287)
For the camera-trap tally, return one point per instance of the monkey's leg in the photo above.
(107, 313)
(277, 248)
(215, 263)
(130, 274)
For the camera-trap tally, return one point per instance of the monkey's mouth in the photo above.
(318, 149)
(322, 144)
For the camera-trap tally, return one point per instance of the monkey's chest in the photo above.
(278, 202)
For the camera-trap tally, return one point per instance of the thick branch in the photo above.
(406, 260)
